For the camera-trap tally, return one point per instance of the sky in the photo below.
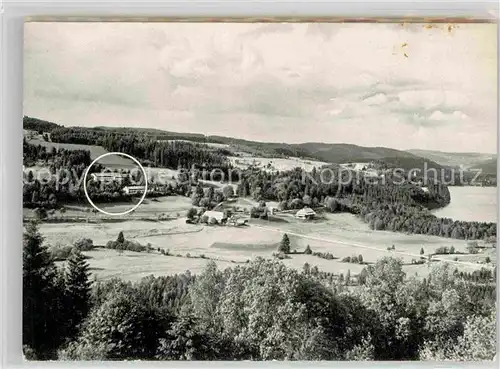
(392, 85)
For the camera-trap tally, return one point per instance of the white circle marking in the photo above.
(127, 156)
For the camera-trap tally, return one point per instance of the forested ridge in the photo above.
(331, 153)
(259, 311)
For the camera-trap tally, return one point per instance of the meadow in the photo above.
(190, 246)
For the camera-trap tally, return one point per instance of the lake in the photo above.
(471, 204)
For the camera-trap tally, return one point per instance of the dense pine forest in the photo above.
(259, 311)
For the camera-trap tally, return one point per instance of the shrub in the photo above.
(192, 213)
(84, 244)
(353, 259)
(443, 250)
(280, 255)
(308, 250)
(60, 253)
(472, 248)
(126, 245)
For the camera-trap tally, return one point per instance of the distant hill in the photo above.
(337, 153)
(342, 153)
(409, 163)
(39, 124)
(451, 159)
(149, 131)
(487, 166)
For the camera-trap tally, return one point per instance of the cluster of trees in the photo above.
(296, 188)
(208, 198)
(122, 244)
(412, 219)
(353, 259)
(58, 191)
(445, 250)
(257, 311)
(259, 211)
(481, 276)
(60, 252)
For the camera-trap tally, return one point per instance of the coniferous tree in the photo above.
(77, 290)
(285, 244)
(121, 238)
(41, 297)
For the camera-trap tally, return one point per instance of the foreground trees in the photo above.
(258, 311)
(265, 311)
(53, 304)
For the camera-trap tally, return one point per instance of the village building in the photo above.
(30, 134)
(305, 213)
(237, 221)
(107, 176)
(217, 215)
(134, 190)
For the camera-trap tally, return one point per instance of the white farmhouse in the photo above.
(133, 190)
(218, 215)
(305, 213)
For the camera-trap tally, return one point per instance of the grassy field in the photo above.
(132, 266)
(340, 234)
(165, 206)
